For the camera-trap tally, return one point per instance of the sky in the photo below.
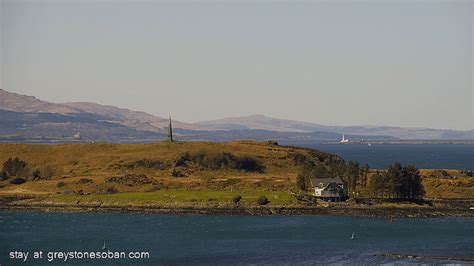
(394, 63)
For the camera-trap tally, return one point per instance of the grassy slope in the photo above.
(201, 187)
(96, 162)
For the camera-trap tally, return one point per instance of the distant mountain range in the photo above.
(281, 125)
(26, 118)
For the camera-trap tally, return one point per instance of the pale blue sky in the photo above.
(400, 63)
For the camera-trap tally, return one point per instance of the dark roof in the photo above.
(325, 181)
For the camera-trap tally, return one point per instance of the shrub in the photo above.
(146, 163)
(236, 199)
(14, 167)
(177, 173)
(130, 180)
(85, 181)
(36, 175)
(60, 184)
(262, 200)
(300, 159)
(302, 181)
(181, 161)
(111, 190)
(18, 181)
(217, 160)
(273, 142)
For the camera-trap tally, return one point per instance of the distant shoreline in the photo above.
(402, 142)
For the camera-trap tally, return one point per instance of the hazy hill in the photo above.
(28, 118)
(134, 119)
(21, 103)
(24, 118)
(273, 124)
(262, 122)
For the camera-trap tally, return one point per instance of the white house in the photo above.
(329, 189)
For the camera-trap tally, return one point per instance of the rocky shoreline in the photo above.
(434, 258)
(370, 212)
(440, 209)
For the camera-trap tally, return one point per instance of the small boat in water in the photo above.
(353, 236)
(104, 247)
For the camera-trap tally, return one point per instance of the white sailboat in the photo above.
(353, 236)
(104, 247)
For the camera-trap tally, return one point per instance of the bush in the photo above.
(236, 199)
(60, 184)
(262, 200)
(14, 167)
(146, 163)
(302, 181)
(177, 173)
(273, 142)
(18, 181)
(182, 159)
(85, 181)
(216, 160)
(111, 190)
(36, 175)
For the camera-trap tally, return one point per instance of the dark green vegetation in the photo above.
(220, 160)
(19, 172)
(397, 182)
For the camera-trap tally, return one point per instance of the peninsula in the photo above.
(235, 178)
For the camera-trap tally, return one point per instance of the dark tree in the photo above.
(302, 181)
(412, 186)
(353, 172)
(398, 182)
(364, 172)
(393, 180)
(337, 169)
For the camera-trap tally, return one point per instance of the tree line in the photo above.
(397, 182)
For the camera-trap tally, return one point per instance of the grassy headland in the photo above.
(182, 175)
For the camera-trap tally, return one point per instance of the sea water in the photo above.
(230, 240)
(428, 156)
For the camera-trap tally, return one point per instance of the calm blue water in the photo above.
(226, 240)
(445, 156)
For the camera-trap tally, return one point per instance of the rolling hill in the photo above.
(281, 125)
(26, 118)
